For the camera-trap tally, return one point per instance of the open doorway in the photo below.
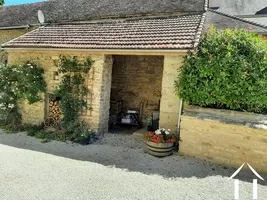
(135, 92)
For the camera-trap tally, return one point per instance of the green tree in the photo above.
(1, 2)
(229, 70)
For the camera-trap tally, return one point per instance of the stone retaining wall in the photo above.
(225, 137)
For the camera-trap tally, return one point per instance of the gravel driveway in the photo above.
(114, 167)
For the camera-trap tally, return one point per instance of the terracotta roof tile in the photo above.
(176, 32)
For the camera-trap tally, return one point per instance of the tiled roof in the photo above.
(176, 32)
(78, 10)
(24, 14)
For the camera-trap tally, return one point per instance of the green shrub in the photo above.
(17, 83)
(41, 134)
(229, 70)
(32, 130)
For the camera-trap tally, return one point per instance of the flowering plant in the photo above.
(18, 83)
(161, 135)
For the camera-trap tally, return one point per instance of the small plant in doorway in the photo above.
(160, 143)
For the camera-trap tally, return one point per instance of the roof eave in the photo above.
(14, 27)
(108, 51)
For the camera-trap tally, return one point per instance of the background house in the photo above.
(254, 11)
(238, 7)
(222, 21)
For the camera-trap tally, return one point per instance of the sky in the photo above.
(13, 2)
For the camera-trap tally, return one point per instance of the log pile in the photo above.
(54, 110)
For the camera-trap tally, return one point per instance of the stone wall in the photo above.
(137, 79)
(224, 137)
(7, 35)
(98, 82)
(170, 102)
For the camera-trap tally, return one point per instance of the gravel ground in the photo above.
(114, 167)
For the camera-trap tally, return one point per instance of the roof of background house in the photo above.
(222, 21)
(214, 3)
(238, 7)
(173, 32)
(60, 10)
(24, 14)
(262, 11)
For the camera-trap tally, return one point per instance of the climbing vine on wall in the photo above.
(25, 82)
(72, 90)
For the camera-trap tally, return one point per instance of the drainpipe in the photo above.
(179, 123)
(179, 116)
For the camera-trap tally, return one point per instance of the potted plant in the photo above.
(160, 142)
(86, 137)
(149, 124)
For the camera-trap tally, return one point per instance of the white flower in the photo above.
(158, 132)
(167, 132)
(11, 105)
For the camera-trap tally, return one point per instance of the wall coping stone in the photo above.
(249, 119)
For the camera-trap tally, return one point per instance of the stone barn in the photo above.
(136, 60)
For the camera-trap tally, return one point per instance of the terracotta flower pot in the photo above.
(159, 149)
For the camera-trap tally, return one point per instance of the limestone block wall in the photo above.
(102, 93)
(224, 137)
(169, 105)
(137, 79)
(7, 35)
(98, 82)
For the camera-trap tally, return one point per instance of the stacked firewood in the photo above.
(54, 110)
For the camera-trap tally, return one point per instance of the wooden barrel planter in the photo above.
(159, 149)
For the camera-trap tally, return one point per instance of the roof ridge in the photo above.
(137, 18)
(238, 18)
(206, 5)
(199, 30)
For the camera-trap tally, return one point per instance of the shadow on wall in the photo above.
(3, 57)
